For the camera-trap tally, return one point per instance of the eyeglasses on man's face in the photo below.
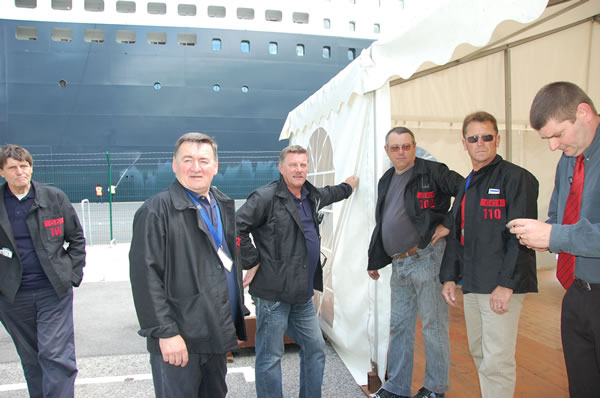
(404, 147)
(474, 138)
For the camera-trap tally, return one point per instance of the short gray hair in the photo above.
(199, 138)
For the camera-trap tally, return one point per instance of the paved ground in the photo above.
(112, 358)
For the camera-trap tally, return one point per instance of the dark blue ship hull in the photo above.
(108, 102)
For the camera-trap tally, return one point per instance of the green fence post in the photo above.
(110, 194)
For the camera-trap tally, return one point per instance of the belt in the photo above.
(586, 285)
(411, 252)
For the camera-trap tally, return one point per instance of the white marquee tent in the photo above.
(467, 55)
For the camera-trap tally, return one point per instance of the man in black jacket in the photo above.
(413, 199)
(37, 274)
(495, 270)
(185, 277)
(284, 266)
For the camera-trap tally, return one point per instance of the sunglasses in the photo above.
(474, 138)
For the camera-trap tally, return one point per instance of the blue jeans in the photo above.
(416, 290)
(273, 320)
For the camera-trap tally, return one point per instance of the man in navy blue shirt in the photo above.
(37, 274)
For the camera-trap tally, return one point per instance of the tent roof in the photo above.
(432, 38)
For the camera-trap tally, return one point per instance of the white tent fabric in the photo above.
(355, 109)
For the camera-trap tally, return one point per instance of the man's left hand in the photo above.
(352, 181)
(531, 233)
(440, 232)
(499, 299)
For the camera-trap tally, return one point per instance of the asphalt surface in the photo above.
(112, 357)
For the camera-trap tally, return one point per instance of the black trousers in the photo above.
(580, 332)
(202, 377)
(41, 326)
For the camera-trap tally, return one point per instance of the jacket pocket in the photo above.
(194, 316)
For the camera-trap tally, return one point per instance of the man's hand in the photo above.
(449, 293)
(439, 233)
(531, 233)
(249, 276)
(373, 274)
(499, 299)
(174, 350)
(352, 181)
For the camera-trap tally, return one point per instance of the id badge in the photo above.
(6, 252)
(227, 263)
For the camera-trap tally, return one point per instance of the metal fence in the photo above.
(138, 175)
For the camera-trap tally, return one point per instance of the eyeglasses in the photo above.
(404, 147)
(474, 138)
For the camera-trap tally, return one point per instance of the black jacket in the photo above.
(271, 216)
(492, 256)
(51, 212)
(178, 281)
(427, 199)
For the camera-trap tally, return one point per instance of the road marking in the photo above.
(246, 371)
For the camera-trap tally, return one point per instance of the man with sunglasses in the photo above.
(495, 270)
(413, 201)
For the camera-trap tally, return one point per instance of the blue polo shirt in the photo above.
(33, 274)
(210, 209)
(304, 208)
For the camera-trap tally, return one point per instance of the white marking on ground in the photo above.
(246, 371)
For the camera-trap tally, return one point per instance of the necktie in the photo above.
(565, 267)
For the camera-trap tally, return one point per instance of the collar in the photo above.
(8, 193)
(594, 148)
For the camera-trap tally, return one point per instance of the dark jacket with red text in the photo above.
(492, 256)
(51, 221)
(427, 198)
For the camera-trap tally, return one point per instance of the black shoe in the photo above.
(425, 393)
(386, 394)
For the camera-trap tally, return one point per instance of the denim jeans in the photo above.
(273, 320)
(416, 290)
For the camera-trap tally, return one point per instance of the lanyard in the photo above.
(468, 181)
(218, 234)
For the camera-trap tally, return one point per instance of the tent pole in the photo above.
(508, 104)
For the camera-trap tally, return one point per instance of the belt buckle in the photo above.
(583, 284)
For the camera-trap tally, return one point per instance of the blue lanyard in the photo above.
(468, 181)
(218, 234)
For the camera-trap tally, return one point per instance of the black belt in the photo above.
(586, 285)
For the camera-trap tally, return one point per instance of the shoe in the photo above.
(381, 393)
(425, 393)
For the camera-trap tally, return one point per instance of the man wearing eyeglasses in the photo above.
(413, 201)
(495, 270)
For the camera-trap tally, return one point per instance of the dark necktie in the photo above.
(565, 267)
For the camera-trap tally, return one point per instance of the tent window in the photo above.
(273, 15)
(93, 35)
(376, 28)
(300, 17)
(94, 5)
(326, 52)
(245, 46)
(26, 3)
(273, 48)
(351, 54)
(26, 33)
(159, 38)
(126, 36)
(62, 4)
(326, 23)
(300, 50)
(186, 39)
(126, 7)
(245, 13)
(216, 12)
(216, 44)
(157, 8)
(62, 34)
(186, 10)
